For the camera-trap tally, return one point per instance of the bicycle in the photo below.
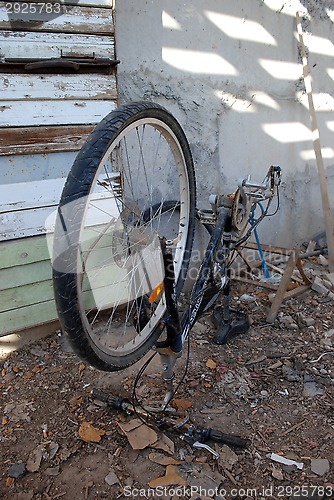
(123, 242)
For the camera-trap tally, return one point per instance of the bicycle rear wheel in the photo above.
(131, 184)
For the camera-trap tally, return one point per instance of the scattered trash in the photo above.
(46, 400)
(169, 479)
(181, 405)
(210, 364)
(277, 474)
(246, 298)
(89, 433)
(141, 436)
(19, 411)
(165, 444)
(319, 466)
(286, 461)
(161, 459)
(35, 458)
(227, 457)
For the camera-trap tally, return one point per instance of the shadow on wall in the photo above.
(231, 72)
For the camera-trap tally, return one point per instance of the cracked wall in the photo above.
(231, 73)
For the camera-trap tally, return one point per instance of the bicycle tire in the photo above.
(101, 174)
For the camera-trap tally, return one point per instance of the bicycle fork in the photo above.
(171, 348)
(177, 331)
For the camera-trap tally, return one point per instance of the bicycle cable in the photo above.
(278, 205)
(137, 403)
(251, 229)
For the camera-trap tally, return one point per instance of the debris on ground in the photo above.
(273, 385)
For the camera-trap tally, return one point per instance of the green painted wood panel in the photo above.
(26, 295)
(26, 292)
(24, 251)
(23, 275)
(27, 317)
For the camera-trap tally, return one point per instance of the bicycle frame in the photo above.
(224, 214)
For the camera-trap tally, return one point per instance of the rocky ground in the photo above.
(273, 385)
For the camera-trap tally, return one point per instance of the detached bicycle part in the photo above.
(203, 434)
(199, 445)
(117, 403)
(236, 323)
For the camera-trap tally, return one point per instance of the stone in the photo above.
(330, 277)
(319, 286)
(52, 471)
(319, 466)
(227, 457)
(288, 322)
(111, 478)
(322, 260)
(17, 471)
(35, 458)
(311, 390)
(247, 299)
(290, 374)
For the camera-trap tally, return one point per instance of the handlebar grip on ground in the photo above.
(220, 437)
(114, 402)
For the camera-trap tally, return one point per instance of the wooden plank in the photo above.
(53, 112)
(24, 251)
(47, 192)
(30, 208)
(30, 195)
(326, 209)
(49, 139)
(26, 317)
(31, 273)
(52, 87)
(57, 18)
(26, 295)
(268, 248)
(282, 288)
(17, 44)
(25, 223)
(256, 282)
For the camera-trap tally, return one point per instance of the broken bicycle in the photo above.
(123, 242)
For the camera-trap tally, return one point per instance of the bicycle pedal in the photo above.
(226, 329)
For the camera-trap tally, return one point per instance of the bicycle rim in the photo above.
(139, 193)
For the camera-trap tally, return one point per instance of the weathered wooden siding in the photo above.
(26, 293)
(46, 114)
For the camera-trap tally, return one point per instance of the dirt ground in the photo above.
(273, 385)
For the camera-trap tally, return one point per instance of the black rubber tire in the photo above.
(68, 224)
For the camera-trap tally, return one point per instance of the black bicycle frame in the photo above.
(177, 331)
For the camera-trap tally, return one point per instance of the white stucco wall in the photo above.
(230, 72)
